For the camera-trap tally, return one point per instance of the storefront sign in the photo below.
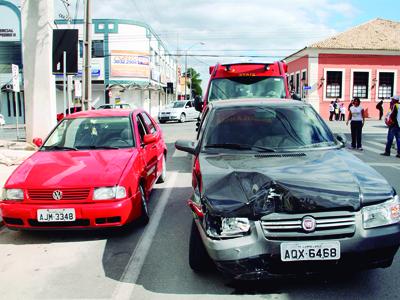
(15, 77)
(9, 25)
(127, 63)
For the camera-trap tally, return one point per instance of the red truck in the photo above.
(246, 80)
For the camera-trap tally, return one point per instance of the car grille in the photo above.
(328, 225)
(67, 194)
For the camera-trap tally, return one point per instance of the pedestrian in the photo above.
(337, 109)
(331, 111)
(357, 119)
(342, 112)
(2, 121)
(379, 107)
(393, 122)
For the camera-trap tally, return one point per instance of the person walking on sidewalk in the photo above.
(379, 107)
(357, 119)
(394, 129)
(342, 112)
(331, 111)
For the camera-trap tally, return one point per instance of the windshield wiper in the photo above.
(318, 145)
(240, 147)
(56, 147)
(99, 147)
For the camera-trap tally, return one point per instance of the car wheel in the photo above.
(182, 119)
(199, 260)
(162, 122)
(163, 175)
(144, 218)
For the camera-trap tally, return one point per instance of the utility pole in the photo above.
(185, 71)
(87, 56)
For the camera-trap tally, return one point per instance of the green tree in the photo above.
(196, 82)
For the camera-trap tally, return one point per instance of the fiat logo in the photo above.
(57, 195)
(308, 224)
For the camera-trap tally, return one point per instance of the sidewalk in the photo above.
(370, 127)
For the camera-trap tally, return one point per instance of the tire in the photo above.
(199, 260)
(163, 175)
(162, 122)
(144, 218)
(182, 118)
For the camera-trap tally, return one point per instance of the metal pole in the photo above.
(65, 82)
(190, 90)
(87, 56)
(17, 113)
(185, 71)
(69, 92)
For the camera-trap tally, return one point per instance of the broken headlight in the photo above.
(382, 214)
(218, 227)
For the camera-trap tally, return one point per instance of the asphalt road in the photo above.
(152, 262)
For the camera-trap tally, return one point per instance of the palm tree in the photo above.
(195, 82)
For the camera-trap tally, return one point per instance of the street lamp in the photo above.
(186, 52)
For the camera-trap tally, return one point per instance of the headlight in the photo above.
(382, 214)
(227, 227)
(108, 193)
(13, 194)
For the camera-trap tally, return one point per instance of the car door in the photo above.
(148, 153)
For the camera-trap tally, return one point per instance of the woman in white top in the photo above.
(356, 116)
(331, 111)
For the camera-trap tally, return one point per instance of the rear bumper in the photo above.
(88, 215)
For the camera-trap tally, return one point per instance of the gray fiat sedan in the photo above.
(275, 193)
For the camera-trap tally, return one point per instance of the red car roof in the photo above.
(102, 113)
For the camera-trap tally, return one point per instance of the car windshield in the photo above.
(178, 104)
(91, 133)
(272, 128)
(246, 87)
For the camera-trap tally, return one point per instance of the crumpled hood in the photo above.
(55, 169)
(246, 185)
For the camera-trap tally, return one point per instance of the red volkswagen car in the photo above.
(96, 169)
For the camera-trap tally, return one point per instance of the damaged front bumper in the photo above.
(258, 255)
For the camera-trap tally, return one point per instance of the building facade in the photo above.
(130, 64)
(361, 62)
(11, 104)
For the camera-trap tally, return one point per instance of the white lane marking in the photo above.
(127, 282)
(372, 149)
(380, 145)
(387, 164)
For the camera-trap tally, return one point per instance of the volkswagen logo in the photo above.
(308, 224)
(57, 195)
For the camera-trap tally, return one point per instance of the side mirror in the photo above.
(149, 139)
(38, 142)
(296, 97)
(185, 146)
(198, 103)
(342, 139)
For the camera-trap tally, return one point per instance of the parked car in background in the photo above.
(275, 193)
(178, 111)
(96, 169)
(115, 106)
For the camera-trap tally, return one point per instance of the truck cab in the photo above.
(245, 81)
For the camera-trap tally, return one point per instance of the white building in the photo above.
(130, 64)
